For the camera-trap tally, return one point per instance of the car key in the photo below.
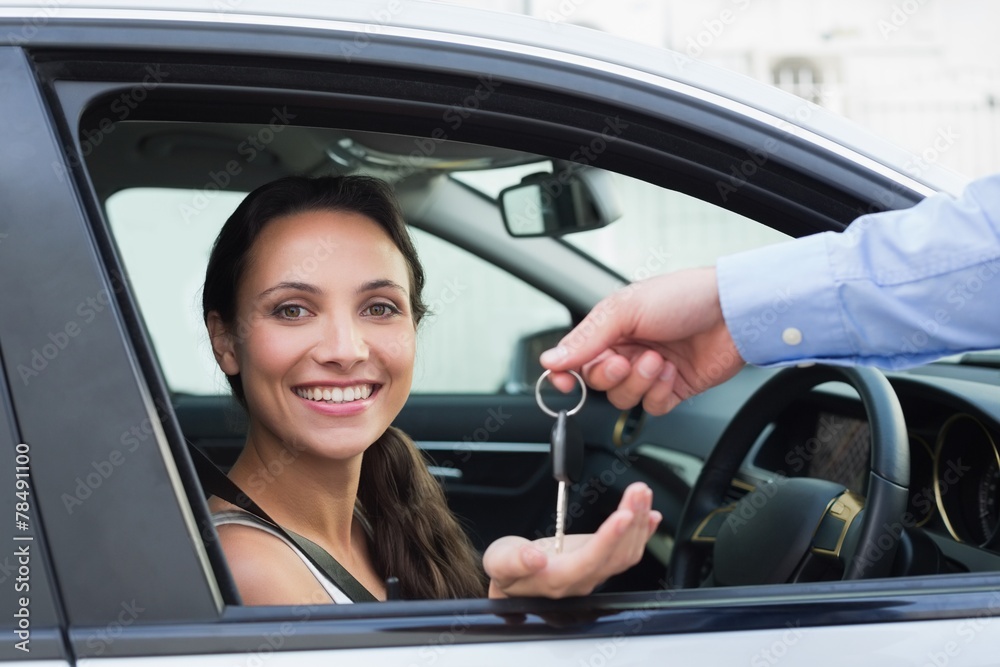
(567, 453)
(567, 466)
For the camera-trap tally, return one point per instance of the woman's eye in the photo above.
(382, 310)
(290, 312)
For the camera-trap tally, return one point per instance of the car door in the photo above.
(139, 573)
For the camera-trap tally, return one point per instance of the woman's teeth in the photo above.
(336, 394)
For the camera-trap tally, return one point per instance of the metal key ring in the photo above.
(546, 409)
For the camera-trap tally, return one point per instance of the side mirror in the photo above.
(575, 199)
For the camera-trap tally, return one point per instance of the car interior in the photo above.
(165, 185)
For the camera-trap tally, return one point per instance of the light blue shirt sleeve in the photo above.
(893, 290)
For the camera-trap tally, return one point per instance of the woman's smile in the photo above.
(339, 400)
(336, 394)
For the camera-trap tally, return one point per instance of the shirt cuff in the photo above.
(781, 305)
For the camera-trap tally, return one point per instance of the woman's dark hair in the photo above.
(416, 537)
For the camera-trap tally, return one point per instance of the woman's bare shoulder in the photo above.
(267, 571)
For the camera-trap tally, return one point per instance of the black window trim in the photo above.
(56, 269)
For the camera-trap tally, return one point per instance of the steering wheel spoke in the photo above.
(708, 530)
(831, 533)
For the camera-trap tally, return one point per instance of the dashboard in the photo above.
(953, 425)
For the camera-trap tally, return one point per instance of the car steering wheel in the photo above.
(784, 529)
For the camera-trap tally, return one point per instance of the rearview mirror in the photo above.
(575, 199)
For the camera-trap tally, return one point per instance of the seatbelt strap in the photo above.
(216, 482)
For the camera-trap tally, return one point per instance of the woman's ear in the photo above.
(223, 344)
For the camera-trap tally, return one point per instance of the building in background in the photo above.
(924, 74)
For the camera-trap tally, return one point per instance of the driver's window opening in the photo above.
(484, 327)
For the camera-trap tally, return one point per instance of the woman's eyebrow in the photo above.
(302, 287)
(380, 283)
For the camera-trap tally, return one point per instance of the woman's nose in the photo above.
(342, 342)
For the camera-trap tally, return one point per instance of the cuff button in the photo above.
(791, 336)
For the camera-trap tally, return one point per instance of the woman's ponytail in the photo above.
(415, 536)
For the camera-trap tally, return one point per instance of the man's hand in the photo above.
(658, 341)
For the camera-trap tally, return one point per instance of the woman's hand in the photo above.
(519, 567)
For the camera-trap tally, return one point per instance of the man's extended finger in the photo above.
(566, 383)
(604, 325)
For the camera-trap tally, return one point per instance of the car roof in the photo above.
(550, 39)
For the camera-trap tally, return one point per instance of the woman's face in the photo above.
(326, 358)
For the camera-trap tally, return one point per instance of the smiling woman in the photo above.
(319, 349)
(311, 326)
